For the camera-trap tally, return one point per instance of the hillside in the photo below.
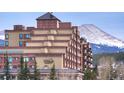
(119, 57)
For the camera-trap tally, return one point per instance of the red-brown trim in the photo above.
(48, 40)
(35, 54)
(11, 31)
(54, 28)
(32, 47)
(51, 35)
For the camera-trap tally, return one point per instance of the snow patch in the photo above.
(95, 35)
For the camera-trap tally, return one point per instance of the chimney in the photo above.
(19, 27)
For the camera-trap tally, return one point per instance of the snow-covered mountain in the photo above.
(95, 35)
(2, 35)
(1, 42)
(98, 49)
(1, 38)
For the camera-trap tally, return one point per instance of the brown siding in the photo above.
(47, 24)
(65, 25)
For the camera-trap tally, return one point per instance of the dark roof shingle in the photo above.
(47, 16)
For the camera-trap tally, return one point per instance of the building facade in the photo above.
(51, 42)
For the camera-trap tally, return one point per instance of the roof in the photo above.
(47, 16)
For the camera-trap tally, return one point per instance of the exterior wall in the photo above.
(87, 55)
(36, 44)
(51, 37)
(62, 38)
(57, 60)
(66, 31)
(47, 24)
(64, 25)
(38, 38)
(13, 38)
(60, 44)
(54, 31)
(38, 50)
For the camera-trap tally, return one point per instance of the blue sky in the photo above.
(112, 23)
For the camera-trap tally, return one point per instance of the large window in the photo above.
(10, 59)
(6, 36)
(20, 43)
(26, 44)
(27, 36)
(26, 59)
(6, 43)
(10, 66)
(20, 36)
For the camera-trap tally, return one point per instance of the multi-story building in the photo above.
(87, 54)
(51, 42)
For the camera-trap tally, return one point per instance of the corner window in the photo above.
(6, 43)
(20, 36)
(27, 36)
(20, 43)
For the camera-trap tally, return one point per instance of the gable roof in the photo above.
(47, 16)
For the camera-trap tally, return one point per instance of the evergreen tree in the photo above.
(6, 67)
(53, 73)
(90, 74)
(87, 74)
(24, 71)
(20, 75)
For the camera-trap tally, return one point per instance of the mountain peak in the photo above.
(95, 35)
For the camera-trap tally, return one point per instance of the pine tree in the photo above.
(36, 72)
(53, 73)
(26, 73)
(90, 74)
(87, 74)
(20, 75)
(6, 67)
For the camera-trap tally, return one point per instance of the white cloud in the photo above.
(2, 37)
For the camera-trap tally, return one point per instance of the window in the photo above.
(27, 36)
(0, 59)
(20, 36)
(16, 58)
(20, 43)
(6, 36)
(10, 66)
(26, 44)
(26, 59)
(10, 59)
(31, 58)
(6, 43)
